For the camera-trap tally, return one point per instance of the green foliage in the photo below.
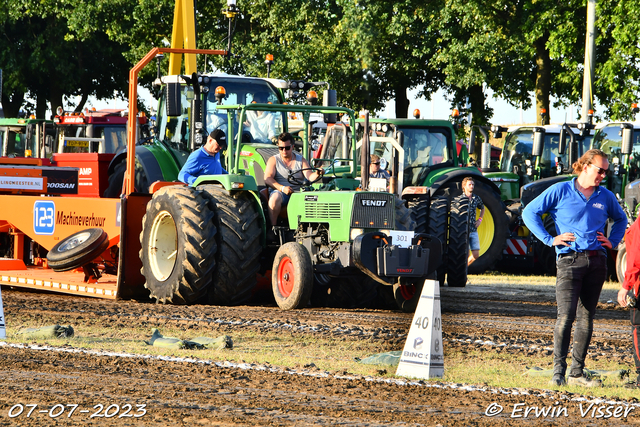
(370, 51)
(45, 58)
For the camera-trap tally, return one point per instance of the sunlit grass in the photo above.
(492, 367)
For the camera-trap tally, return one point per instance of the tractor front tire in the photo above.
(178, 245)
(116, 180)
(404, 220)
(78, 249)
(438, 227)
(292, 276)
(239, 247)
(407, 295)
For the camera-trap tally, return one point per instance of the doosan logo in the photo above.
(378, 203)
(60, 185)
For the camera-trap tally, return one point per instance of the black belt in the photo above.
(585, 253)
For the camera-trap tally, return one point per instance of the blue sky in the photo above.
(503, 113)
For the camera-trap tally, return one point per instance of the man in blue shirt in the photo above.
(206, 159)
(580, 210)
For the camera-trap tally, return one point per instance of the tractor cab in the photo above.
(26, 137)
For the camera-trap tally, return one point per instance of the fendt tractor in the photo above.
(533, 158)
(203, 243)
(429, 176)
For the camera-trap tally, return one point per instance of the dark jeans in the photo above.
(635, 322)
(578, 285)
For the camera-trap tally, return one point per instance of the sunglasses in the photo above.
(601, 171)
(375, 163)
(286, 148)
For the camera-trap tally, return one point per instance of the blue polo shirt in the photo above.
(572, 212)
(200, 163)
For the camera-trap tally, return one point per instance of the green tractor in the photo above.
(27, 137)
(426, 173)
(621, 142)
(332, 229)
(533, 158)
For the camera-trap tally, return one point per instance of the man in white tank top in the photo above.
(277, 173)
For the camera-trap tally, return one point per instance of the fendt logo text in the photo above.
(379, 203)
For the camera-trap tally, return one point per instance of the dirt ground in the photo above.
(41, 387)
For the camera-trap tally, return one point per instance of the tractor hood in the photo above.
(533, 190)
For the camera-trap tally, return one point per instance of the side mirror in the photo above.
(627, 138)
(330, 99)
(538, 141)
(562, 144)
(29, 135)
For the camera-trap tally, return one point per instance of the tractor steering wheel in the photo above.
(293, 179)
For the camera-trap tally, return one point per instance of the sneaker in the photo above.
(585, 381)
(557, 380)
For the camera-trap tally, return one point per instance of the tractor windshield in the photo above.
(518, 149)
(114, 137)
(239, 91)
(15, 141)
(424, 148)
(609, 140)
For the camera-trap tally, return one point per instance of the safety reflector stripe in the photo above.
(515, 247)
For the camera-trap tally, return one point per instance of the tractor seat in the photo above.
(264, 196)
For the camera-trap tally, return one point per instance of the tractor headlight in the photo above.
(355, 232)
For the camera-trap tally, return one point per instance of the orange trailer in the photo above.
(36, 217)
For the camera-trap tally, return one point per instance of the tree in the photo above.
(43, 59)
(514, 48)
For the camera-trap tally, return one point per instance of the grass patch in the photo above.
(534, 283)
(509, 371)
(493, 367)
(282, 349)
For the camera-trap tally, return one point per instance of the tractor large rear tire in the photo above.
(492, 231)
(292, 279)
(239, 247)
(420, 215)
(404, 220)
(178, 245)
(458, 246)
(438, 227)
(116, 180)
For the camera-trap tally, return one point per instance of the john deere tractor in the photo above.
(533, 158)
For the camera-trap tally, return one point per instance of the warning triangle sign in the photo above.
(423, 356)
